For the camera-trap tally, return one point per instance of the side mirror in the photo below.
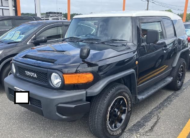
(84, 52)
(152, 36)
(40, 40)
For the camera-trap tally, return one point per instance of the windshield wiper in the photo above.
(114, 40)
(91, 40)
(77, 39)
(12, 42)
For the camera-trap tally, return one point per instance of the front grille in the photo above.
(35, 102)
(40, 76)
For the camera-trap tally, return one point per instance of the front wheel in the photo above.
(110, 111)
(178, 75)
(6, 71)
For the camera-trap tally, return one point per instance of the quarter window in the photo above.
(151, 26)
(179, 27)
(169, 28)
(52, 33)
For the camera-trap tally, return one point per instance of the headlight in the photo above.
(13, 68)
(56, 80)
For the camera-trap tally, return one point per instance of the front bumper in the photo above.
(52, 104)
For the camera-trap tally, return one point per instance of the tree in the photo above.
(169, 10)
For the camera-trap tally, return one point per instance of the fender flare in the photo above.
(100, 85)
(178, 56)
(4, 62)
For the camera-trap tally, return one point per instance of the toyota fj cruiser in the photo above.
(106, 63)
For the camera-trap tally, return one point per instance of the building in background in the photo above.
(4, 8)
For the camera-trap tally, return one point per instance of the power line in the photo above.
(165, 5)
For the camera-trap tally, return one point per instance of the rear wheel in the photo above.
(178, 75)
(6, 71)
(110, 111)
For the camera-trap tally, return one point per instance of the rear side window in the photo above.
(52, 33)
(5, 25)
(179, 27)
(19, 22)
(169, 28)
(151, 26)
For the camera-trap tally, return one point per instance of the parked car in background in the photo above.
(26, 36)
(107, 63)
(53, 16)
(9, 22)
(187, 29)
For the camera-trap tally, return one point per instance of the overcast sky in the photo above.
(88, 6)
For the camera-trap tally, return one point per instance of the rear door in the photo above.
(154, 59)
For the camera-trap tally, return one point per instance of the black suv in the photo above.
(28, 35)
(9, 22)
(106, 63)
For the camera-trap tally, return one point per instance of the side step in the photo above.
(154, 88)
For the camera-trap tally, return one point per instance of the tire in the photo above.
(178, 76)
(5, 72)
(103, 108)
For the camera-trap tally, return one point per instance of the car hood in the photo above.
(6, 46)
(65, 53)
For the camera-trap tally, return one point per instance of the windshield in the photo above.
(19, 33)
(102, 28)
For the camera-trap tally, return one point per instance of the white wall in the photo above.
(4, 8)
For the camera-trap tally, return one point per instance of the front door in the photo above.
(153, 63)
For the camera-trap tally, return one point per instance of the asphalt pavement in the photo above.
(163, 115)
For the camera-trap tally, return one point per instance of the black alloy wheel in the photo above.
(117, 113)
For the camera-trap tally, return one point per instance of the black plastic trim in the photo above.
(71, 109)
(100, 85)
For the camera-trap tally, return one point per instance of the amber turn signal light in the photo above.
(78, 78)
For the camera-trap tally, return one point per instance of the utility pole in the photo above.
(35, 7)
(124, 3)
(185, 11)
(18, 8)
(68, 10)
(38, 8)
(11, 7)
(147, 5)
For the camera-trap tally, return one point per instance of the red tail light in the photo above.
(188, 38)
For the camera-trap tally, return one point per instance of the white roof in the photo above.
(131, 14)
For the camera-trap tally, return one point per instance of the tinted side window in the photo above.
(151, 26)
(179, 27)
(65, 28)
(5, 25)
(187, 26)
(19, 22)
(169, 28)
(52, 33)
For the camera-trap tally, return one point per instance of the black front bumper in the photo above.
(52, 104)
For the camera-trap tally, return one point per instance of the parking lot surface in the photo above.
(163, 115)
